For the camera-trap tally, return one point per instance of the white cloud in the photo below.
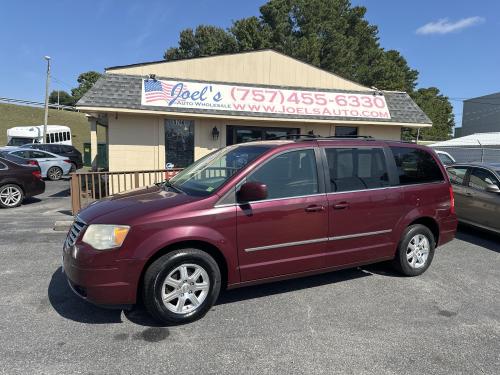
(444, 26)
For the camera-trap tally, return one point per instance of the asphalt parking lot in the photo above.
(366, 320)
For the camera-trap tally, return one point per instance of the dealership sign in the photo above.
(261, 100)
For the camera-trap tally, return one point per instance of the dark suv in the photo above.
(63, 150)
(259, 212)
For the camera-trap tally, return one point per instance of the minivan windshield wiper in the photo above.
(168, 184)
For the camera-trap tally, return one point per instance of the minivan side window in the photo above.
(356, 169)
(288, 175)
(416, 166)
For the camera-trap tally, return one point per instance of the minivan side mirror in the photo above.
(492, 188)
(251, 191)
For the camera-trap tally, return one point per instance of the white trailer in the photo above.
(21, 135)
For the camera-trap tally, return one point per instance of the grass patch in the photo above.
(18, 115)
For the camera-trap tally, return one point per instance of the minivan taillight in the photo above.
(33, 162)
(452, 201)
(37, 174)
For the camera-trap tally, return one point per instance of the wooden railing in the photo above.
(87, 187)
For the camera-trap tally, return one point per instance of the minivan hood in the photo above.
(121, 207)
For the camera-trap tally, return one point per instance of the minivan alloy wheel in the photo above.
(418, 251)
(10, 195)
(185, 288)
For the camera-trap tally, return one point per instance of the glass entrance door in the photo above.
(179, 142)
(241, 134)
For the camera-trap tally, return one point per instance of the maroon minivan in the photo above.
(260, 212)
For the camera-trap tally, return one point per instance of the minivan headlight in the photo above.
(104, 236)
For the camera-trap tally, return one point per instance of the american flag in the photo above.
(157, 90)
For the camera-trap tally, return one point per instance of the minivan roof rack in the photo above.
(311, 137)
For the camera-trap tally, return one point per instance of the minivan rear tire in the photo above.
(164, 280)
(415, 250)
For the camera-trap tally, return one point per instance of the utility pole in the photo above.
(46, 118)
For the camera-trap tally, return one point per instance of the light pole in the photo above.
(46, 118)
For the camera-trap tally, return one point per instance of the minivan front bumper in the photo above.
(107, 285)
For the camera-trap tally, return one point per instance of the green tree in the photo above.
(204, 41)
(85, 82)
(330, 34)
(250, 34)
(439, 110)
(64, 98)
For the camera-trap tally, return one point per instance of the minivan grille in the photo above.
(75, 231)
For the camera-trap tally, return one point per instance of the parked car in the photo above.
(52, 166)
(260, 212)
(477, 194)
(69, 152)
(17, 182)
(445, 157)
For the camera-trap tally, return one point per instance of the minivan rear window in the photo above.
(416, 166)
(356, 169)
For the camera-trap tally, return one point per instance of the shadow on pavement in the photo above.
(61, 194)
(66, 212)
(278, 287)
(479, 237)
(31, 200)
(71, 307)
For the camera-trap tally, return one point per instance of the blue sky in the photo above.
(454, 49)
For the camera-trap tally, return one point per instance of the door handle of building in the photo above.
(340, 205)
(315, 208)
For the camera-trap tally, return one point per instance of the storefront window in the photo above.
(179, 142)
(346, 131)
(241, 134)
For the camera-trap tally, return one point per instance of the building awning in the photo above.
(126, 93)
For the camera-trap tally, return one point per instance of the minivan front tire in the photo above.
(415, 250)
(181, 286)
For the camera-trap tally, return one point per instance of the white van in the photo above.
(21, 135)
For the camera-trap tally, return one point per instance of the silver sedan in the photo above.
(52, 166)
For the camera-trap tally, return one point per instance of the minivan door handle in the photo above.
(469, 194)
(315, 208)
(340, 205)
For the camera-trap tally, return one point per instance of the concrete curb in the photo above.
(62, 226)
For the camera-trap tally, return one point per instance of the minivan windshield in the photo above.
(206, 175)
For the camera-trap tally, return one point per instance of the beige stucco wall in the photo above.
(136, 142)
(259, 67)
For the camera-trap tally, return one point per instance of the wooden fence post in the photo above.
(76, 202)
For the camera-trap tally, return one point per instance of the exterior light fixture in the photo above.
(377, 91)
(152, 76)
(215, 133)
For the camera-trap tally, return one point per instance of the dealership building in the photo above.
(174, 112)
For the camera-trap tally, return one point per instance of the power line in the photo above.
(61, 82)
